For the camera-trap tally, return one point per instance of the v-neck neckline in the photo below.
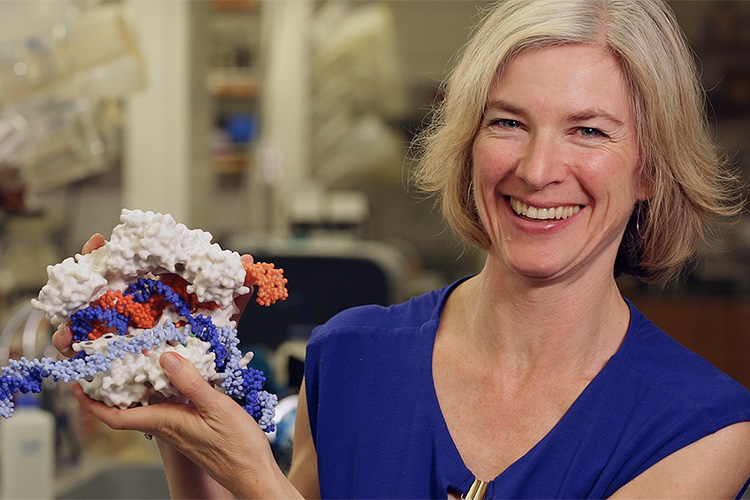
(464, 475)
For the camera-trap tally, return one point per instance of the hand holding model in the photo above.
(212, 436)
(211, 433)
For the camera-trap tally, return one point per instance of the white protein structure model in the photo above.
(155, 286)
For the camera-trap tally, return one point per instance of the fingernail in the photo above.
(170, 362)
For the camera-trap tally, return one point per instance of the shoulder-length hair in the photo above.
(691, 190)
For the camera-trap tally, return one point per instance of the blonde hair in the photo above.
(678, 160)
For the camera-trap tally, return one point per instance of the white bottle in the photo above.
(27, 458)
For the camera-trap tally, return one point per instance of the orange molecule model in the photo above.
(270, 282)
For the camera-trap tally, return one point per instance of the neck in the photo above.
(567, 325)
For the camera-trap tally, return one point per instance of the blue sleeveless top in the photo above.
(379, 431)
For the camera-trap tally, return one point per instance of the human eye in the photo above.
(505, 123)
(591, 132)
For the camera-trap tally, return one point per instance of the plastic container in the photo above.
(27, 451)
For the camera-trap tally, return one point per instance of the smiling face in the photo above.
(555, 162)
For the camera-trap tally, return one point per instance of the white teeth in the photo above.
(532, 212)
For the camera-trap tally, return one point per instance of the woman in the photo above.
(570, 146)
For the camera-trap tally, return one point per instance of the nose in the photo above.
(541, 162)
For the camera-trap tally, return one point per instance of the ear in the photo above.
(645, 193)
(644, 189)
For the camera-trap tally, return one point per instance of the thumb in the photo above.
(247, 258)
(187, 379)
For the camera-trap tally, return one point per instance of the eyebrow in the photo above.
(501, 105)
(589, 114)
(579, 116)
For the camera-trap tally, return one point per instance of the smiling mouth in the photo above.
(536, 213)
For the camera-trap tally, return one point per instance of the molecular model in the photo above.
(155, 286)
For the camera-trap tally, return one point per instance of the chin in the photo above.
(536, 269)
(544, 275)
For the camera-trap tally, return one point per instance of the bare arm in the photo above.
(715, 466)
(187, 480)
(304, 471)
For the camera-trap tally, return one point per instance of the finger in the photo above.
(247, 258)
(96, 241)
(106, 414)
(188, 380)
(62, 339)
(153, 419)
(220, 417)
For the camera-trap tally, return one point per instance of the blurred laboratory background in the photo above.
(283, 128)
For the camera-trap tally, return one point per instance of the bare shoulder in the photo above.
(716, 466)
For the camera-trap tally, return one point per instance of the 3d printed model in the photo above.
(155, 286)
